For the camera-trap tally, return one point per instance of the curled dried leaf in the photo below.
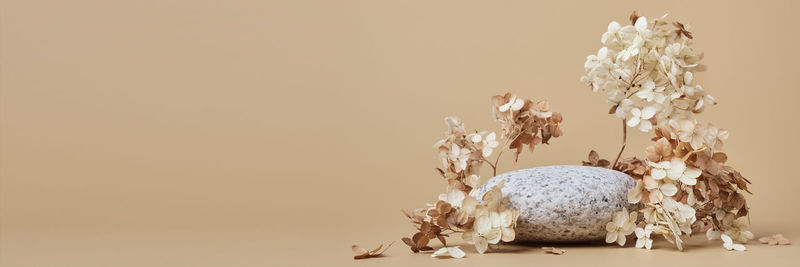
(362, 253)
(553, 250)
(682, 30)
(596, 161)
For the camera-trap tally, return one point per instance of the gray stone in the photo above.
(564, 203)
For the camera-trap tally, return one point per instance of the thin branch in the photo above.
(624, 142)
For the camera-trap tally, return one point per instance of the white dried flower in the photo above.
(621, 226)
(453, 252)
(729, 245)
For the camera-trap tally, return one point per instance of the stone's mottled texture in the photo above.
(564, 203)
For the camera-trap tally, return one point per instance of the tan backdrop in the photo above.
(263, 133)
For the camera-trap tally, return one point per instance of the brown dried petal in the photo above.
(720, 157)
(682, 30)
(553, 250)
(776, 239)
(441, 239)
(359, 250)
(362, 253)
(634, 16)
(423, 241)
(433, 213)
(408, 241)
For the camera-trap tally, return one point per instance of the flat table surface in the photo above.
(262, 247)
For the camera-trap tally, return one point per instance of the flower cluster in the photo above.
(646, 70)
(487, 220)
(685, 187)
(524, 122)
(682, 183)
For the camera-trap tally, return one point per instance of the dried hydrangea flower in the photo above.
(453, 252)
(776, 239)
(647, 71)
(729, 245)
(524, 123)
(643, 239)
(621, 226)
(654, 63)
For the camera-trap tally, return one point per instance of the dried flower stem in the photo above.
(494, 172)
(624, 142)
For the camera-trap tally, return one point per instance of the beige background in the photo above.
(262, 133)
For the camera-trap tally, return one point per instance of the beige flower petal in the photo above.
(611, 237)
(669, 189)
(481, 245)
(493, 236)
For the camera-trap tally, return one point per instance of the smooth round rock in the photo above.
(564, 203)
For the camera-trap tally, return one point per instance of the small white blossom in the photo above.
(489, 144)
(729, 245)
(513, 105)
(641, 118)
(659, 169)
(643, 239)
(459, 156)
(483, 234)
(659, 188)
(679, 171)
(454, 252)
(649, 92)
(621, 226)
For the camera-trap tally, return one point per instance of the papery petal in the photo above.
(481, 245)
(658, 174)
(688, 181)
(641, 24)
(455, 197)
(493, 236)
(613, 26)
(621, 239)
(656, 196)
(728, 246)
(726, 239)
(504, 107)
(482, 224)
(456, 252)
(440, 252)
(636, 112)
(627, 229)
(611, 237)
(476, 138)
(611, 227)
(650, 182)
(620, 218)
(518, 104)
(692, 172)
(645, 126)
(634, 195)
(469, 204)
(649, 111)
(640, 242)
(633, 121)
(508, 234)
(669, 189)
(506, 218)
(494, 217)
(468, 236)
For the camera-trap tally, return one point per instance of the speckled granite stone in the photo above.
(564, 203)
